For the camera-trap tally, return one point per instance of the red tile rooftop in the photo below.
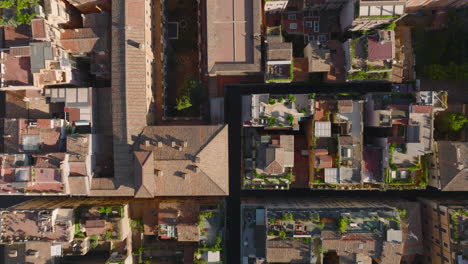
(371, 158)
(78, 169)
(31, 226)
(46, 187)
(326, 161)
(16, 36)
(46, 175)
(8, 174)
(423, 109)
(52, 160)
(17, 70)
(80, 45)
(38, 28)
(380, 50)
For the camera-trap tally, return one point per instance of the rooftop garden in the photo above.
(280, 73)
(210, 223)
(264, 181)
(306, 224)
(455, 217)
(111, 231)
(274, 32)
(363, 69)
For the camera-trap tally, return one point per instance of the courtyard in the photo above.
(182, 58)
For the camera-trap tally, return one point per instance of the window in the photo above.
(445, 245)
(316, 26)
(293, 26)
(322, 37)
(309, 24)
(443, 230)
(292, 16)
(311, 38)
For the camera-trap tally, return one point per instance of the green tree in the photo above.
(290, 119)
(271, 121)
(291, 98)
(282, 235)
(450, 122)
(183, 102)
(343, 225)
(391, 26)
(190, 95)
(6, 3)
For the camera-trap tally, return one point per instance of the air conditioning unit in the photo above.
(32, 124)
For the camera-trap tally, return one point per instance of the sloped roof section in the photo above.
(144, 174)
(188, 160)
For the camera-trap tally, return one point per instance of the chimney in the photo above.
(173, 144)
(147, 143)
(185, 144)
(179, 148)
(196, 169)
(158, 172)
(184, 175)
(159, 144)
(197, 159)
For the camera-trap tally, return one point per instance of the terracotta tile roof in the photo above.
(345, 106)
(229, 25)
(371, 166)
(46, 187)
(46, 175)
(17, 68)
(392, 253)
(320, 152)
(24, 51)
(51, 160)
(168, 217)
(129, 82)
(193, 160)
(78, 33)
(78, 169)
(453, 165)
(95, 227)
(38, 28)
(84, 40)
(102, 184)
(16, 36)
(345, 141)
(381, 50)
(274, 161)
(325, 161)
(423, 109)
(188, 233)
(287, 251)
(280, 51)
(96, 20)
(144, 174)
(355, 243)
